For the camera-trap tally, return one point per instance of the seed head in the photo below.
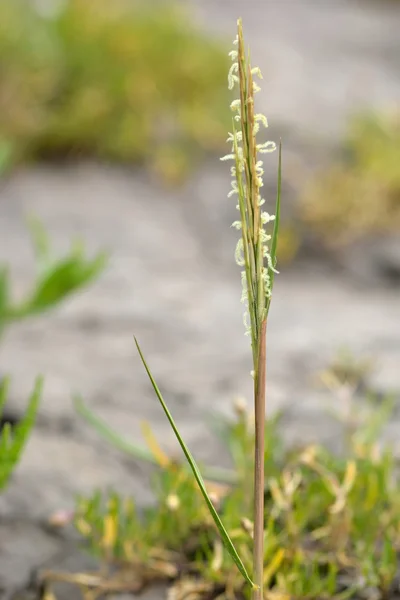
(252, 250)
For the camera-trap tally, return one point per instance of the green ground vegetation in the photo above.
(132, 84)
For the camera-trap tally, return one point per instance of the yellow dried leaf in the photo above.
(110, 532)
(83, 527)
(350, 476)
(162, 459)
(273, 566)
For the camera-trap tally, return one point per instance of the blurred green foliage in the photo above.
(115, 80)
(332, 520)
(360, 195)
(56, 279)
(13, 439)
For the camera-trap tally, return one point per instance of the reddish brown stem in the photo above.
(259, 406)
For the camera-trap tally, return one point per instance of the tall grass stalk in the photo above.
(256, 254)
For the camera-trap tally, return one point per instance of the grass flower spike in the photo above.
(254, 250)
(256, 253)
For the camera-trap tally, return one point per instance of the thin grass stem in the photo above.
(259, 451)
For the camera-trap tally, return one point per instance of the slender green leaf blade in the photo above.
(196, 472)
(64, 278)
(275, 233)
(136, 450)
(4, 387)
(13, 439)
(109, 434)
(274, 241)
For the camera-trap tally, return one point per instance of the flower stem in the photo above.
(259, 405)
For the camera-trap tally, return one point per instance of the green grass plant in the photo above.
(14, 438)
(256, 254)
(135, 83)
(358, 195)
(56, 279)
(331, 519)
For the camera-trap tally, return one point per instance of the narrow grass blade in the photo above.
(159, 455)
(136, 450)
(14, 439)
(110, 435)
(4, 387)
(224, 534)
(274, 241)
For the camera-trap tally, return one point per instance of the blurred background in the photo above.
(113, 116)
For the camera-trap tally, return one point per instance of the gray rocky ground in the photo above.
(171, 281)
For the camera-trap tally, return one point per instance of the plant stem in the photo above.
(259, 405)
